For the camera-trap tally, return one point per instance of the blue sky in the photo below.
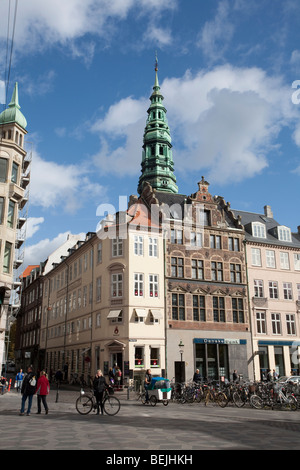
(86, 70)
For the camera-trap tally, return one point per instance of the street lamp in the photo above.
(182, 371)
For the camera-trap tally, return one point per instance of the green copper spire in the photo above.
(13, 113)
(157, 160)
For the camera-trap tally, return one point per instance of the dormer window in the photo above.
(284, 233)
(258, 230)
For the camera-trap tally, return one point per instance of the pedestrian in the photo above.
(42, 390)
(58, 376)
(269, 375)
(19, 379)
(99, 385)
(28, 390)
(3, 384)
(275, 375)
(235, 376)
(197, 377)
(147, 382)
(111, 376)
(118, 375)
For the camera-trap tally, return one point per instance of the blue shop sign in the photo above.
(219, 341)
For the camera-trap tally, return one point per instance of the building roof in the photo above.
(13, 113)
(28, 270)
(247, 218)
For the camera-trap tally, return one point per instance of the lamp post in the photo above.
(182, 370)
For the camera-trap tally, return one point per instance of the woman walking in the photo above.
(43, 388)
(99, 385)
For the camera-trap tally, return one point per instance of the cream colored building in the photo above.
(104, 303)
(14, 180)
(273, 265)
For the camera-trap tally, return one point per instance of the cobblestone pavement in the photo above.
(174, 427)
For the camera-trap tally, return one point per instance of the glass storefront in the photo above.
(212, 360)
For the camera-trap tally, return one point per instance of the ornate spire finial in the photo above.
(156, 62)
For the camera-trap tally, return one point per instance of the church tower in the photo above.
(157, 160)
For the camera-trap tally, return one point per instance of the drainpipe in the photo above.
(249, 307)
(165, 301)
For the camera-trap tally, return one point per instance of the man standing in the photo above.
(19, 379)
(28, 390)
(147, 382)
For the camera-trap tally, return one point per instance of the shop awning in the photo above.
(157, 314)
(141, 312)
(114, 313)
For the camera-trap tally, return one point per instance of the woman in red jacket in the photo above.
(42, 390)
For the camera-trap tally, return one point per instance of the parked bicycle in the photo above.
(86, 402)
(273, 396)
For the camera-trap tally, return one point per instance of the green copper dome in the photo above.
(13, 113)
(157, 160)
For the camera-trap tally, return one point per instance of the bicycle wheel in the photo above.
(153, 400)
(237, 400)
(222, 399)
(256, 402)
(111, 406)
(84, 405)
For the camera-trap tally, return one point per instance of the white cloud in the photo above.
(33, 226)
(68, 186)
(224, 121)
(39, 252)
(42, 24)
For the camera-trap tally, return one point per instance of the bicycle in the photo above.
(86, 402)
(273, 398)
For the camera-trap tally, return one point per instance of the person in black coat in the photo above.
(99, 385)
(28, 390)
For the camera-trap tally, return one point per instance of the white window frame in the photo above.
(138, 245)
(256, 256)
(284, 260)
(276, 323)
(270, 259)
(284, 233)
(153, 285)
(153, 247)
(297, 261)
(290, 324)
(116, 285)
(258, 288)
(273, 288)
(116, 247)
(258, 230)
(287, 291)
(138, 288)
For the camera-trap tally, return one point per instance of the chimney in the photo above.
(268, 212)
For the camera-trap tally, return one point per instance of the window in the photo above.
(276, 327)
(261, 322)
(99, 252)
(270, 259)
(14, 173)
(154, 357)
(215, 242)
(196, 238)
(258, 288)
(273, 289)
(216, 271)
(284, 260)
(284, 234)
(3, 170)
(287, 291)
(290, 324)
(297, 261)
(117, 247)
(153, 285)
(178, 308)
(153, 247)
(98, 319)
(256, 258)
(197, 269)
(1, 209)
(235, 273)
(238, 311)
(138, 285)
(176, 236)
(219, 309)
(139, 357)
(98, 289)
(117, 285)
(11, 214)
(199, 308)
(298, 291)
(258, 230)
(233, 244)
(176, 267)
(7, 258)
(138, 245)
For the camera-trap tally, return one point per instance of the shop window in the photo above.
(154, 358)
(139, 357)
